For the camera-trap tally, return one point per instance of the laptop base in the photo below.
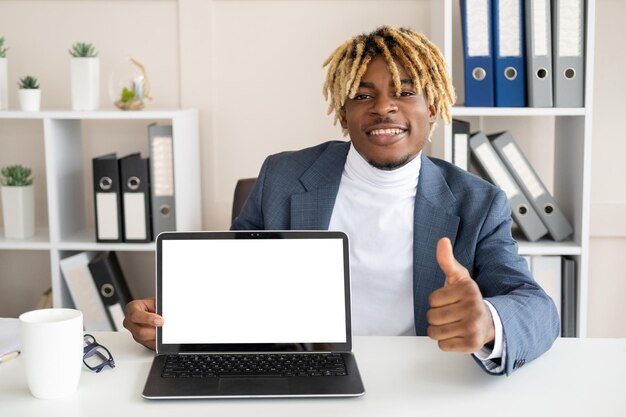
(158, 388)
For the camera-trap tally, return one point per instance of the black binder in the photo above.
(84, 292)
(136, 198)
(569, 298)
(107, 201)
(111, 285)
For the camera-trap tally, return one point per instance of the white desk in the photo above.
(403, 376)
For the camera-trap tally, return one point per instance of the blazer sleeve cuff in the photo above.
(494, 359)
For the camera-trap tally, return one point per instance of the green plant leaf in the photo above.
(127, 95)
(83, 50)
(3, 50)
(28, 83)
(16, 176)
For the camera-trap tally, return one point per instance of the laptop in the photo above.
(252, 314)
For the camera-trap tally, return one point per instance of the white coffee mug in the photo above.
(52, 351)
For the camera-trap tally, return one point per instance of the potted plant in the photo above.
(85, 77)
(18, 201)
(29, 93)
(4, 84)
(129, 86)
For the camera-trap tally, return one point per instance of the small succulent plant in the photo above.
(83, 50)
(16, 176)
(28, 83)
(127, 95)
(3, 50)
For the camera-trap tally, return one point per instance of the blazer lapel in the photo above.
(312, 209)
(432, 222)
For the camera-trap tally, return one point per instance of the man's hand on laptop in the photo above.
(141, 320)
(459, 319)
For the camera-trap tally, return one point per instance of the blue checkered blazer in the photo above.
(297, 191)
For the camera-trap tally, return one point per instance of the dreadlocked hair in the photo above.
(412, 50)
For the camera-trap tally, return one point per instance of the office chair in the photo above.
(242, 191)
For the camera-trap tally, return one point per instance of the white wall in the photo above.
(253, 68)
(607, 253)
(263, 61)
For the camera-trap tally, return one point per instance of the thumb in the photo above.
(149, 304)
(454, 271)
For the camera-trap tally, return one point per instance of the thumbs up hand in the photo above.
(459, 319)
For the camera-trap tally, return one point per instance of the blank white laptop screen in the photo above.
(253, 291)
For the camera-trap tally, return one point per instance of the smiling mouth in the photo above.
(387, 136)
(385, 132)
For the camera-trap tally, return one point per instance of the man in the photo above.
(431, 246)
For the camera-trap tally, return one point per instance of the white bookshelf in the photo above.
(572, 135)
(70, 226)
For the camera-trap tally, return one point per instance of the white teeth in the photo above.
(385, 132)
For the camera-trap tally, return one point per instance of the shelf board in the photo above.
(40, 241)
(92, 115)
(549, 247)
(86, 240)
(517, 111)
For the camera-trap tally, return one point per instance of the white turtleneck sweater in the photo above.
(375, 208)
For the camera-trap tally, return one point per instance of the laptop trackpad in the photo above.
(253, 386)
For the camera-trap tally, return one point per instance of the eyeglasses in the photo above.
(95, 355)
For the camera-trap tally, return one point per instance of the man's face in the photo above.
(388, 131)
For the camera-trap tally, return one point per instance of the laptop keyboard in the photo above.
(241, 365)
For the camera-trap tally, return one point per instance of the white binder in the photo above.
(547, 272)
(460, 143)
(80, 283)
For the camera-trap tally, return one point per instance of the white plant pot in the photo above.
(4, 84)
(85, 73)
(30, 99)
(18, 209)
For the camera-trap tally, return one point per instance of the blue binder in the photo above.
(508, 51)
(477, 53)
